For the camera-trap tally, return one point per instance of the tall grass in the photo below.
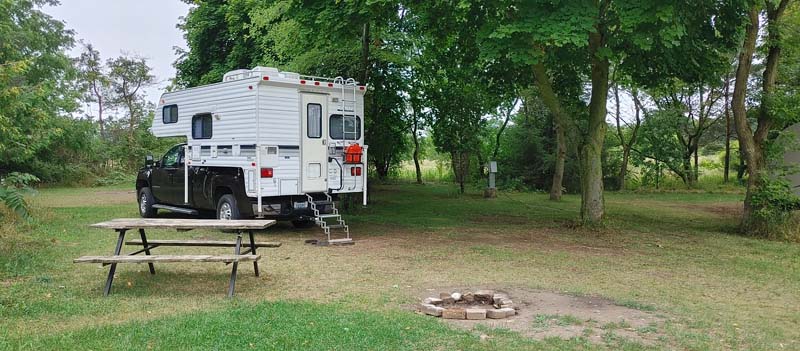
(432, 172)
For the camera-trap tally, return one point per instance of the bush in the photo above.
(12, 189)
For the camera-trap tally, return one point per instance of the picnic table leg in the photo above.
(253, 250)
(236, 250)
(147, 250)
(113, 268)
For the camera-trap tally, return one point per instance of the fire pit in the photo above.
(481, 304)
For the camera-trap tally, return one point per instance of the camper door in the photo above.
(314, 143)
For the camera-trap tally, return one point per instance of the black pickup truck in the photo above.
(213, 192)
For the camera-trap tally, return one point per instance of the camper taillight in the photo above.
(266, 173)
(355, 171)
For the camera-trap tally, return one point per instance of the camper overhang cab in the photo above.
(280, 137)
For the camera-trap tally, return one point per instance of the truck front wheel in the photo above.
(226, 208)
(146, 202)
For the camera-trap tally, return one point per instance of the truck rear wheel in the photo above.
(146, 202)
(226, 208)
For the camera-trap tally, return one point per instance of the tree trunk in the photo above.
(365, 39)
(750, 152)
(558, 170)
(623, 169)
(551, 100)
(460, 162)
(592, 204)
(503, 128)
(696, 173)
(626, 147)
(416, 148)
(131, 121)
(726, 173)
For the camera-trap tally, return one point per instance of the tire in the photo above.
(146, 202)
(303, 223)
(227, 209)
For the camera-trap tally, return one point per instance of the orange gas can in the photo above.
(353, 153)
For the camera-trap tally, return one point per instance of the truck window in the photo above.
(342, 128)
(201, 126)
(170, 114)
(314, 120)
(172, 157)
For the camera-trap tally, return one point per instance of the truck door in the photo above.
(163, 175)
(176, 189)
(313, 147)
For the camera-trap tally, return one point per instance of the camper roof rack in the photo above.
(260, 71)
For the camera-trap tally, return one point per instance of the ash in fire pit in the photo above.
(481, 304)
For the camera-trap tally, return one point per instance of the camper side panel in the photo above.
(279, 125)
(232, 105)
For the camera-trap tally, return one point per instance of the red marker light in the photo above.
(302, 81)
(250, 87)
(266, 173)
(316, 83)
(361, 88)
(253, 164)
(265, 78)
(330, 85)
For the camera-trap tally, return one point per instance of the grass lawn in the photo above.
(671, 255)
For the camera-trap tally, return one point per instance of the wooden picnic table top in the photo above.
(181, 223)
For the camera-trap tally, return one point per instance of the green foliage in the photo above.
(36, 86)
(12, 192)
(775, 203)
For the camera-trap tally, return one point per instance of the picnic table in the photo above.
(122, 225)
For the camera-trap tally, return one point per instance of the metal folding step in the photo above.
(322, 220)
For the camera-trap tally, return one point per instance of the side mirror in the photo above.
(148, 160)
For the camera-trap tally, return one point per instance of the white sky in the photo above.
(141, 27)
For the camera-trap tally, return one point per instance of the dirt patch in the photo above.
(89, 198)
(544, 314)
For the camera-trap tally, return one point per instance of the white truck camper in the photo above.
(289, 134)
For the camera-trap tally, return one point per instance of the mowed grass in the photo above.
(676, 255)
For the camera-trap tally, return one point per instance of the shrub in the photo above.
(12, 189)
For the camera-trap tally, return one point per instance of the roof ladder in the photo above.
(347, 105)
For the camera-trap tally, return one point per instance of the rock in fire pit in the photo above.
(480, 304)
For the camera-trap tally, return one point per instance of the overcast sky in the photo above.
(142, 27)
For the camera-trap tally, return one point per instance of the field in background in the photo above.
(673, 254)
(710, 180)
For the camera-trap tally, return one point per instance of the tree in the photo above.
(37, 92)
(128, 76)
(696, 109)
(649, 40)
(631, 129)
(754, 144)
(96, 82)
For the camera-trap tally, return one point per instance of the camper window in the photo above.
(343, 129)
(170, 114)
(201, 126)
(314, 120)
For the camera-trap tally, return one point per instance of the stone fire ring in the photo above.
(481, 304)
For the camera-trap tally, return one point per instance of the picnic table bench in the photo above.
(122, 225)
